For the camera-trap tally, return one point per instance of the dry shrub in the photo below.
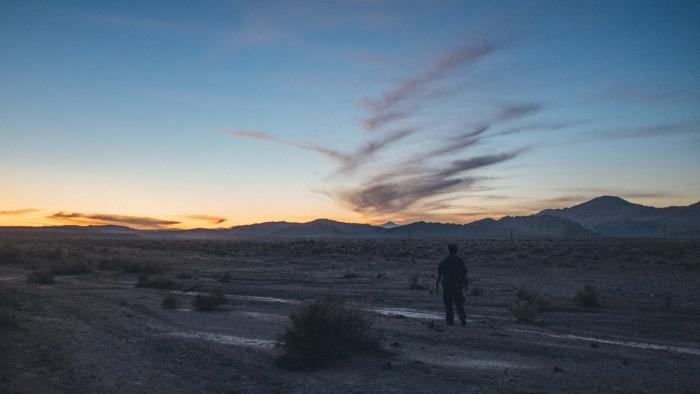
(588, 296)
(42, 277)
(533, 298)
(56, 254)
(523, 311)
(131, 267)
(323, 331)
(413, 282)
(226, 277)
(209, 302)
(7, 302)
(9, 255)
(75, 268)
(158, 283)
(169, 302)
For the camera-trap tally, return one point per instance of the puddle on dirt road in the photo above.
(473, 363)
(418, 314)
(264, 316)
(406, 312)
(386, 311)
(633, 344)
(243, 297)
(226, 339)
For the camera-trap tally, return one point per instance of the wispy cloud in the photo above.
(18, 212)
(428, 181)
(208, 218)
(330, 153)
(396, 192)
(383, 110)
(348, 161)
(89, 218)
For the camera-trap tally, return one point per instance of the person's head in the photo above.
(452, 248)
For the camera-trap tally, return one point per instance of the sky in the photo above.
(181, 114)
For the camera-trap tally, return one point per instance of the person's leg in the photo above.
(459, 304)
(447, 298)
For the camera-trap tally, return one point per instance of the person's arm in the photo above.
(438, 277)
(465, 280)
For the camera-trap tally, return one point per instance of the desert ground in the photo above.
(96, 331)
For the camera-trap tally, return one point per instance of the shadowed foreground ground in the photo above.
(97, 332)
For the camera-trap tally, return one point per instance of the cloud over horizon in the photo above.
(17, 212)
(208, 218)
(85, 218)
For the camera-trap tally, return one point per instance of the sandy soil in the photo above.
(97, 332)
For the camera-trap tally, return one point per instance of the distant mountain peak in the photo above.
(389, 224)
(609, 200)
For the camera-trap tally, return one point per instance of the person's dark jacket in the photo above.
(452, 272)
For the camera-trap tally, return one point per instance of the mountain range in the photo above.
(603, 216)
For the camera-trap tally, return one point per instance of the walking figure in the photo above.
(452, 274)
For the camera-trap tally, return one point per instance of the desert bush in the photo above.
(158, 283)
(322, 331)
(523, 311)
(533, 298)
(169, 302)
(588, 296)
(9, 255)
(130, 267)
(413, 282)
(183, 275)
(56, 254)
(75, 268)
(209, 302)
(42, 277)
(7, 318)
(226, 277)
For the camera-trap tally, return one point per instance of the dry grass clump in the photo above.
(226, 277)
(7, 302)
(413, 282)
(41, 277)
(169, 302)
(528, 305)
(146, 282)
(588, 296)
(131, 267)
(523, 311)
(9, 255)
(75, 268)
(533, 298)
(323, 331)
(209, 302)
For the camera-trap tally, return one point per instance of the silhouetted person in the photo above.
(453, 275)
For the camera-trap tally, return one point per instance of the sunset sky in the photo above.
(219, 113)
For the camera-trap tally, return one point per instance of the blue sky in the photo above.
(190, 113)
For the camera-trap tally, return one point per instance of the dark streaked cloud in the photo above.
(330, 153)
(660, 130)
(365, 152)
(398, 190)
(383, 110)
(112, 219)
(380, 120)
(517, 111)
(207, 218)
(18, 212)
(348, 161)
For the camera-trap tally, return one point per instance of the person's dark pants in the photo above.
(453, 296)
